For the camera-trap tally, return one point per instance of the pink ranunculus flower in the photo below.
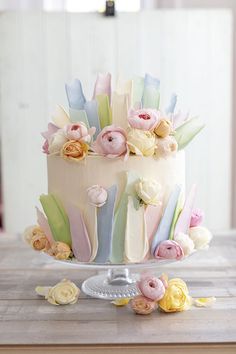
(79, 131)
(144, 119)
(169, 250)
(196, 218)
(52, 129)
(151, 287)
(111, 142)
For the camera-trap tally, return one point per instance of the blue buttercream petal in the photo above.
(172, 104)
(75, 94)
(105, 216)
(91, 109)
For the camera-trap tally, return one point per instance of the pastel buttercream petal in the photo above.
(178, 209)
(187, 131)
(75, 95)
(183, 222)
(43, 223)
(137, 92)
(90, 218)
(102, 85)
(52, 129)
(153, 214)
(136, 241)
(105, 216)
(151, 94)
(60, 117)
(104, 111)
(164, 227)
(57, 218)
(120, 110)
(79, 116)
(91, 109)
(172, 104)
(119, 227)
(81, 246)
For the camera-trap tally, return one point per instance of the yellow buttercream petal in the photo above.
(120, 302)
(204, 301)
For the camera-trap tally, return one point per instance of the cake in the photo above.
(116, 178)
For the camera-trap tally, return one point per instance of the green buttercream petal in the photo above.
(119, 226)
(177, 212)
(57, 218)
(151, 97)
(77, 115)
(187, 131)
(137, 94)
(104, 111)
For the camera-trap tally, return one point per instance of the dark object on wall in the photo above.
(110, 8)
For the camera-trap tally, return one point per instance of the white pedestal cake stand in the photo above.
(119, 280)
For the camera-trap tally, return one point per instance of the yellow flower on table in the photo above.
(63, 293)
(176, 297)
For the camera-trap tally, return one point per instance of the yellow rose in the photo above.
(141, 142)
(74, 150)
(164, 128)
(176, 297)
(60, 250)
(63, 293)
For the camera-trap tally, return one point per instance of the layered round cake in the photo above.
(116, 178)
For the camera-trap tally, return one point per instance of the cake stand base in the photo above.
(115, 284)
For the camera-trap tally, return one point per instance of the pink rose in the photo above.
(196, 218)
(97, 195)
(142, 305)
(52, 129)
(151, 287)
(169, 250)
(111, 142)
(144, 119)
(79, 131)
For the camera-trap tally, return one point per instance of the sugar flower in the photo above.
(36, 238)
(74, 150)
(149, 191)
(79, 131)
(142, 305)
(97, 195)
(176, 298)
(166, 146)
(169, 250)
(141, 142)
(196, 217)
(111, 142)
(151, 287)
(185, 242)
(200, 236)
(163, 128)
(60, 250)
(144, 119)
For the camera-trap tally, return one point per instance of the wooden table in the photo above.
(29, 324)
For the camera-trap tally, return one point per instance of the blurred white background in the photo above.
(189, 45)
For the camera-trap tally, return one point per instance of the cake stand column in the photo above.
(115, 284)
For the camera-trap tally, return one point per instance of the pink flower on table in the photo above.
(142, 305)
(79, 131)
(111, 142)
(169, 250)
(196, 218)
(52, 129)
(144, 119)
(151, 287)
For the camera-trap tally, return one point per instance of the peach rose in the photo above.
(36, 238)
(142, 305)
(74, 150)
(60, 250)
(163, 128)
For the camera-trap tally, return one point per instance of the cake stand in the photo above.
(116, 280)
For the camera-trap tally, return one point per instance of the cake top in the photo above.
(118, 124)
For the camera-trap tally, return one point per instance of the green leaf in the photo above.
(57, 218)
(187, 131)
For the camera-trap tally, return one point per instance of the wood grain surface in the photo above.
(28, 323)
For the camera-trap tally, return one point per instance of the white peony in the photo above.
(185, 242)
(149, 191)
(200, 236)
(56, 142)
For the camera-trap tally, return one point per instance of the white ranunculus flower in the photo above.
(185, 242)
(200, 236)
(141, 142)
(149, 191)
(56, 141)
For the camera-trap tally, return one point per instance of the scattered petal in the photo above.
(204, 301)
